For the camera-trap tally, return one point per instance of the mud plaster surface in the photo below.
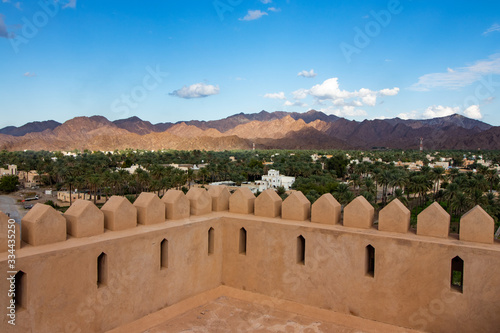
(229, 315)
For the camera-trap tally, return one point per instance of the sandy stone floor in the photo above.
(229, 315)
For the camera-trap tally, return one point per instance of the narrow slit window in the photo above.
(164, 254)
(457, 274)
(211, 240)
(301, 250)
(20, 290)
(370, 261)
(102, 270)
(243, 241)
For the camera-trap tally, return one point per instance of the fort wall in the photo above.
(398, 277)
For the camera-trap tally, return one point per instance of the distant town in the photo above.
(458, 180)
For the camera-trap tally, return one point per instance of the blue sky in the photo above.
(181, 60)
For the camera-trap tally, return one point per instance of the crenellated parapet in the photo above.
(84, 219)
(359, 213)
(296, 207)
(177, 205)
(394, 217)
(119, 214)
(268, 204)
(44, 225)
(200, 200)
(283, 249)
(150, 209)
(326, 210)
(433, 221)
(477, 226)
(220, 197)
(242, 201)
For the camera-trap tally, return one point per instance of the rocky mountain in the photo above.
(33, 127)
(453, 120)
(310, 130)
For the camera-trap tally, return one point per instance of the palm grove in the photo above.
(379, 182)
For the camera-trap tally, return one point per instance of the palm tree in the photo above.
(204, 174)
(355, 181)
(477, 197)
(398, 194)
(492, 177)
(453, 174)
(420, 184)
(437, 175)
(451, 193)
(385, 178)
(70, 182)
(461, 203)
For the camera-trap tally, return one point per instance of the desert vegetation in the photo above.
(379, 180)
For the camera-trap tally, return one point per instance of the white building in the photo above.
(274, 180)
(132, 168)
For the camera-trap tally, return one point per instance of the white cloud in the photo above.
(370, 100)
(473, 112)
(409, 115)
(436, 111)
(330, 90)
(300, 94)
(280, 95)
(460, 77)
(308, 74)
(389, 92)
(197, 90)
(345, 111)
(253, 15)
(493, 28)
(29, 74)
(274, 9)
(296, 103)
(265, 2)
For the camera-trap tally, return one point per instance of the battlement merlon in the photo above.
(44, 225)
(332, 264)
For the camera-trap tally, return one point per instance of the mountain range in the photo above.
(267, 130)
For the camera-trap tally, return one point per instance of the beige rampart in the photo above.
(268, 204)
(220, 197)
(359, 214)
(326, 210)
(296, 207)
(177, 205)
(43, 225)
(84, 219)
(410, 286)
(394, 217)
(242, 201)
(200, 201)
(477, 226)
(150, 209)
(433, 221)
(319, 265)
(9, 231)
(119, 214)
